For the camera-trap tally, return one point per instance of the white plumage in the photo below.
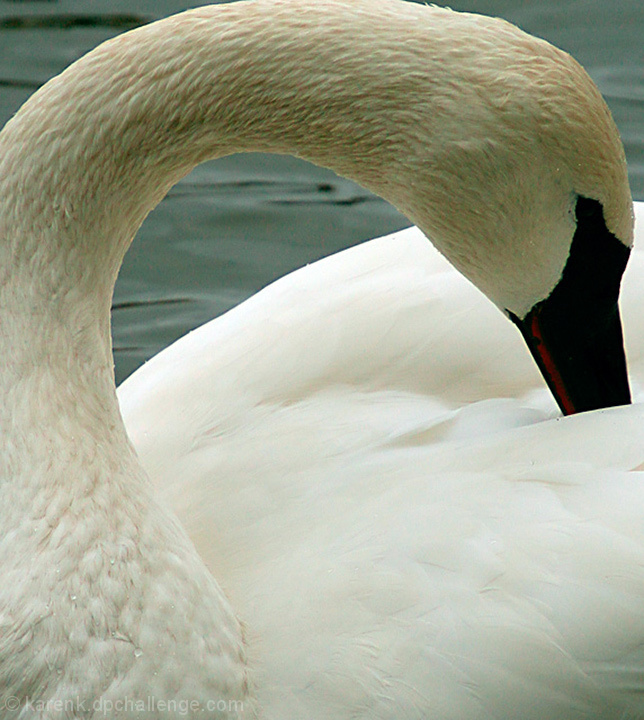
(388, 495)
(359, 500)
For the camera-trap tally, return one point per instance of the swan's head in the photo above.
(574, 332)
(524, 189)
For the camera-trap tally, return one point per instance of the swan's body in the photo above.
(330, 531)
(398, 545)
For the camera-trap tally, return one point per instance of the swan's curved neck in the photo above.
(88, 157)
(98, 147)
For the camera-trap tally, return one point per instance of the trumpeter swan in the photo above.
(324, 535)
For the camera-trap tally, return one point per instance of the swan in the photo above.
(318, 508)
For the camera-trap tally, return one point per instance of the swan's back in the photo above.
(397, 546)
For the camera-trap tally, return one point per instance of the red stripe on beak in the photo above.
(549, 369)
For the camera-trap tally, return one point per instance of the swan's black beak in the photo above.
(580, 354)
(575, 334)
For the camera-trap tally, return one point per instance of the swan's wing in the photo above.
(390, 314)
(394, 551)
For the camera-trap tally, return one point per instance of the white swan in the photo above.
(380, 552)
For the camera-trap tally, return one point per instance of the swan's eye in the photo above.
(575, 334)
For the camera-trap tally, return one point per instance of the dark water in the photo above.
(234, 225)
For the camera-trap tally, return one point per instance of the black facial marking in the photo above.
(596, 263)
